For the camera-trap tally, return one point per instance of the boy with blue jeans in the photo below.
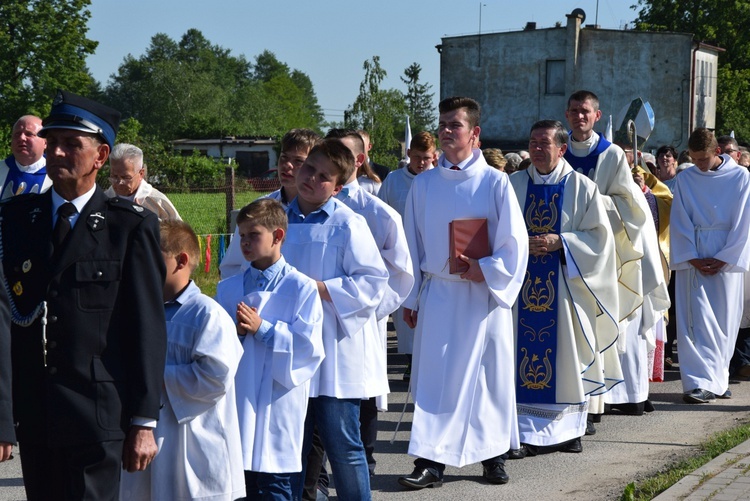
(331, 244)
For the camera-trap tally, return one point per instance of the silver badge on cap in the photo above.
(58, 99)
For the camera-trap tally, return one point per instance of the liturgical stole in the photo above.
(584, 165)
(536, 346)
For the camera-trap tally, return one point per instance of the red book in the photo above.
(469, 237)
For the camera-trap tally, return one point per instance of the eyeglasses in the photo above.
(120, 180)
(729, 152)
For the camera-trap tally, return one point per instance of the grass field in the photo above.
(206, 213)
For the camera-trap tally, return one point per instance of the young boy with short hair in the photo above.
(295, 145)
(331, 244)
(197, 432)
(279, 317)
(709, 252)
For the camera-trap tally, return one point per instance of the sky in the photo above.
(329, 40)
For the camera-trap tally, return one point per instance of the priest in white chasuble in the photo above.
(566, 315)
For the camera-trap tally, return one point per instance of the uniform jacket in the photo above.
(106, 336)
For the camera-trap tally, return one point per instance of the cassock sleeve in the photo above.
(681, 233)
(358, 291)
(194, 388)
(736, 252)
(298, 345)
(415, 241)
(395, 254)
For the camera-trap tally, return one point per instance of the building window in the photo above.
(555, 77)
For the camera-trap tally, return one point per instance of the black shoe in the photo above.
(726, 395)
(519, 453)
(494, 473)
(627, 409)
(574, 446)
(590, 428)
(698, 396)
(529, 450)
(648, 406)
(421, 478)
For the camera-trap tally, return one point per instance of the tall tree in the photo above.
(43, 47)
(717, 22)
(418, 100)
(381, 112)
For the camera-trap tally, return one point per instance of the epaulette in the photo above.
(127, 205)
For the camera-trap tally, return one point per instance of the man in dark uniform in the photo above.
(84, 274)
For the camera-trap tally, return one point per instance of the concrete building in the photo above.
(523, 76)
(254, 157)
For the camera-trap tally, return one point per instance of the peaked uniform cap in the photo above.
(71, 111)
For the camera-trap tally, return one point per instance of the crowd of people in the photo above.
(532, 293)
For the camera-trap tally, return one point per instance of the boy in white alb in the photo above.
(710, 253)
(197, 433)
(331, 244)
(279, 316)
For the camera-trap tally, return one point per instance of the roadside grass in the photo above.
(206, 214)
(715, 445)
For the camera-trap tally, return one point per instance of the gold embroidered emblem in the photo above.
(26, 266)
(535, 375)
(18, 288)
(536, 297)
(540, 216)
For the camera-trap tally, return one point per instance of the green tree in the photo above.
(43, 47)
(195, 89)
(418, 100)
(717, 22)
(381, 112)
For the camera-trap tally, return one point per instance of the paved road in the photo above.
(624, 449)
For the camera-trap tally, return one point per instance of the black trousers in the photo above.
(368, 430)
(439, 468)
(81, 472)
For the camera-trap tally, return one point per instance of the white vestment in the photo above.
(198, 433)
(462, 375)
(272, 381)
(152, 199)
(234, 262)
(342, 253)
(709, 219)
(642, 293)
(394, 190)
(388, 231)
(369, 185)
(586, 290)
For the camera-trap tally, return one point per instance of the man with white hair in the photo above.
(127, 175)
(24, 171)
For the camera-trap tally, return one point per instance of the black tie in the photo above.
(62, 228)
(455, 167)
